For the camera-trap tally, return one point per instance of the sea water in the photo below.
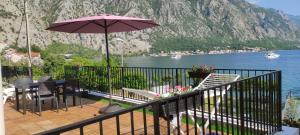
(288, 63)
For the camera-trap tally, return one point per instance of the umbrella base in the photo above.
(110, 108)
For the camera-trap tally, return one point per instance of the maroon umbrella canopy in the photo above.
(103, 24)
(98, 24)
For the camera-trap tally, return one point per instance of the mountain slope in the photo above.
(295, 19)
(224, 20)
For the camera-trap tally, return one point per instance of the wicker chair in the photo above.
(46, 91)
(23, 84)
(71, 88)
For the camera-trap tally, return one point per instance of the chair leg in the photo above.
(56, 100)
(64, 98)
(40, 107)
(80, 100)
(66, 104)
(58, 97)
(52, 103)
(36, 101)
(32, 104)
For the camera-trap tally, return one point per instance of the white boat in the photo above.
(176, 56)
(272, 55)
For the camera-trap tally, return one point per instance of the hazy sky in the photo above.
(288, 6)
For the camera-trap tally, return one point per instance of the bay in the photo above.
(288, 63)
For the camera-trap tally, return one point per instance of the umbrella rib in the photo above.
(98, 24)
(130, 25)
(59, 25)
(81, 27)
(113, 23)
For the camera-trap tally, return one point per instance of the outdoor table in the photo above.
(33, 86)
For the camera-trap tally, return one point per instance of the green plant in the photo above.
(37, 72)
(134, 80)
(54, 65)
(199, 73)
(202, 69)
(35, 48)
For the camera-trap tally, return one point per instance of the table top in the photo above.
(36, 84)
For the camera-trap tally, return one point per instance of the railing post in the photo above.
(279, 86)
(242, 107)
(122, 82)
(176, 76)
(156, 112)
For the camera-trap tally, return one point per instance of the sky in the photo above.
(288, 6)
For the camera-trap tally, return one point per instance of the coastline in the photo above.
(198, 52)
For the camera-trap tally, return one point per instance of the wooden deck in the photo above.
(18, 124)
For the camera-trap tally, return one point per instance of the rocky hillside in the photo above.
(224, 19)
(295, 19)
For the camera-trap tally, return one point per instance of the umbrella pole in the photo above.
(108, 66)
(111, 107)
(2, 123)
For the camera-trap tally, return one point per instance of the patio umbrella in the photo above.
(103, 24)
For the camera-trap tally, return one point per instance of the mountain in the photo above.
(223, 21)
(295, 19)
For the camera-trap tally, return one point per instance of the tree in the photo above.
(53, 65)
(291, 111)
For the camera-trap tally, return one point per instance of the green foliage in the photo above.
(18, 49)
(56, 48)
(37, 72)
(191, 44)
(54, 61)
(134, 80)
(79, 61)
(114, 61)
(34, 48)
(54, 65)
(74, 49)
(6, 15)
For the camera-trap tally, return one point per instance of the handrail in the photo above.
(93, 120)
(100, 118)
(266, 70)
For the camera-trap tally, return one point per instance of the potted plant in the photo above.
(170, 108)
(201, 71)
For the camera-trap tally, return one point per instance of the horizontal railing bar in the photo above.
(268, 70)
(94, 119)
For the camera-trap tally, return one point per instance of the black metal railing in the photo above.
(10, 73)
(251, 105)
(147, 78)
